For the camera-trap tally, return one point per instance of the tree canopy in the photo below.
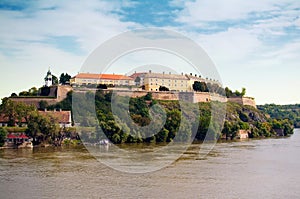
(64, 79)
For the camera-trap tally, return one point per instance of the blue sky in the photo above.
(254, 44)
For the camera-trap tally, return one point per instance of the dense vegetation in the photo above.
(42, 128)
(291, 112)
(119, 128)
(3, 133)
(230, 93)
(136, 120)
(249, 118)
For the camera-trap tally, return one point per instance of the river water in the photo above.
(266, 168)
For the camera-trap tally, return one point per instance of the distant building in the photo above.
(173, 82)
(48, 79)
(64, 118)
(138, 78)
(243, 134)
(108, 79)
(18, 140)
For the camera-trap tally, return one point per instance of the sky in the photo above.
(254, 44)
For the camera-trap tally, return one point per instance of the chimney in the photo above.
(191, 73)
(164, 72)
(169, 73)
(149, 71)
(181, 73)
(195, 75)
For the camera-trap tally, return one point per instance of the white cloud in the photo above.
(25, 53)
(220, 10)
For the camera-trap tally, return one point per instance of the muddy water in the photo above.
(268, 168)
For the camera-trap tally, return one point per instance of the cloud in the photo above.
(220, 10)
(56, 34)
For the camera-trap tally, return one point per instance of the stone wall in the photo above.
(193, 97)
(35, 101)
(61, 94)
(243, 100)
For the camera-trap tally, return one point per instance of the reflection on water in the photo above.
(267, 168)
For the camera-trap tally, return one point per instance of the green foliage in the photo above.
(15, 112)
(31, 92)
(148, 96)
(54, 80)
(163, 88)
(3, 133)
(281, 112)
(42, 128)
(200, 86)
(229, 93)
(64, 79)
(43, 104)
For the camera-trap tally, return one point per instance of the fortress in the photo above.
(176, 87)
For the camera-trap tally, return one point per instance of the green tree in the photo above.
(137, 80)
(3, 134)
(163, 88)
(200, 86)
(15, 112)
(54, 80)
(43, 104)
(243, 93)
(13, 95)
(162, 135)
(64, 78)
(42, 128)
(33, 91)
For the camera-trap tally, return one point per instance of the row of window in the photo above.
(169, 84)
(166, 80)
(105, 81)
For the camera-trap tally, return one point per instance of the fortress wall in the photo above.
(243, 100)
(201, 97)
(35, 101)
(155, 95)
(219, 98)
(249, 101)
(62, 91)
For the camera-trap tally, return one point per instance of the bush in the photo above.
(3, 134)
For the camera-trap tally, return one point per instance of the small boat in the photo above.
(104, 142)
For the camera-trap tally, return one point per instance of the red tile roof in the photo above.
(134, 75)
(4, 119)
(13, 136)
(61, 116)
(102, 76)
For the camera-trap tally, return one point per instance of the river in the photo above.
(265, 168)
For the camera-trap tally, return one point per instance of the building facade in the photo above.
(108, 79)
(139, 78)
(173, 82)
